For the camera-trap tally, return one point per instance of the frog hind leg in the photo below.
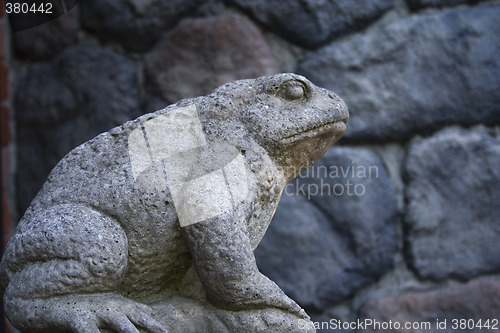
(61, 264)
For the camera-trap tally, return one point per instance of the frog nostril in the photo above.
(331, 96)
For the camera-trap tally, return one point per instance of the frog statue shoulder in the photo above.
(151, 226)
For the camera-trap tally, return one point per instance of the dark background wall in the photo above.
(399, 221)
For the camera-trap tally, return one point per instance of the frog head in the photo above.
(294, 120)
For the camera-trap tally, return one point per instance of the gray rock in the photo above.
(85, 91)
(334, 230)
(49, 39)
(472, 303)
(134, 24)
(311, 23)
(201, 54)
(453, 181)
(416, 74)
(153, 223)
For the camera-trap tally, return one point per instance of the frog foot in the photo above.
(89, 313)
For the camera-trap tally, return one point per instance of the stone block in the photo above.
(201, 54)
(311, 23)
(415, 74)
(453, 182)
(47, 40)
(136, 25)
(84, 91)
(457, 308)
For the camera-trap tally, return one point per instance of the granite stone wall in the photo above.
(398, 222)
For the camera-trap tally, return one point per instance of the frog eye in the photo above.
(293, 90)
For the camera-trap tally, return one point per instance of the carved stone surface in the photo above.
(415, 74)
(346, 198)
(153, 224)
(448, 235)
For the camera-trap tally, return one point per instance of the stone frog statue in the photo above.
(152, 225)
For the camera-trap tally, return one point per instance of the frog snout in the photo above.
(339, 110)
(335, 105)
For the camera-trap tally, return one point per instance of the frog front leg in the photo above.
(224, 260)
(64, 267)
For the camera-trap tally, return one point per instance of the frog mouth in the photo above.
(335, 127)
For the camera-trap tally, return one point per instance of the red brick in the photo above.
(2, 39)
(8, 328)
(5, 169)
(4, 83)
(4, 126)
(6, 222)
